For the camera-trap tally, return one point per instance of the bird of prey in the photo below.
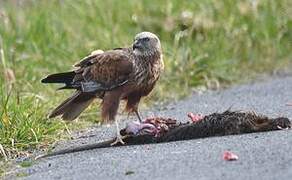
(128, 74)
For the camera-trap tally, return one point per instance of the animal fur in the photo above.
(216, 124)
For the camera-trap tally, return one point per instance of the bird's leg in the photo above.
(138, 115)
(119, 138)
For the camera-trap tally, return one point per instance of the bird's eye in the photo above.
(146, 39)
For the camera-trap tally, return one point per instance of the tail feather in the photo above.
(72, 107)
(85, 93)
(66, 78)
(76, 109)
(63, 106)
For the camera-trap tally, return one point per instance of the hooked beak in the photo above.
(137, 45)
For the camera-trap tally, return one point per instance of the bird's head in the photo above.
(146, 44)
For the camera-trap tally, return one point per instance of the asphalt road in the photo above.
(261, 155)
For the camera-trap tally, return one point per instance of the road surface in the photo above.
(261, 155)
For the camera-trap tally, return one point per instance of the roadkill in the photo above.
(160, 130)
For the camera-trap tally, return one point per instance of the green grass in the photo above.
(26, 164)
(206, 43)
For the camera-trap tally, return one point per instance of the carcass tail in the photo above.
(72, 107)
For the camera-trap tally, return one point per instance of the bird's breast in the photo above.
(147, 71)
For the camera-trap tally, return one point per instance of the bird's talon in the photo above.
(119, 139)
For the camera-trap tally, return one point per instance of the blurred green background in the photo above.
(206, 44)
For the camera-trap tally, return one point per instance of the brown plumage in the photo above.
(119, 74)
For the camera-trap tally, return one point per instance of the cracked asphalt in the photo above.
(261, 155)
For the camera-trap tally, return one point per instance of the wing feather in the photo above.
(111, 68)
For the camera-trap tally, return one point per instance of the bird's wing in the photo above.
(109, 70)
